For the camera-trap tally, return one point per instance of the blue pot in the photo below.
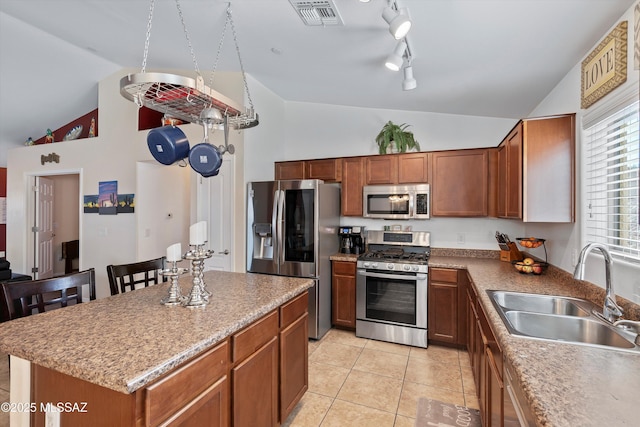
(205, 159)
(168, 144)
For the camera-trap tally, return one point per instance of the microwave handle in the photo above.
(412, 200)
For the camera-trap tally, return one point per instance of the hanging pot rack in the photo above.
(186, 98)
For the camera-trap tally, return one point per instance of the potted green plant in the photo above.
(396, 135)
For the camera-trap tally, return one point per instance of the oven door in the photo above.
(397, 298)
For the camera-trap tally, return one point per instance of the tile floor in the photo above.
(360, 382)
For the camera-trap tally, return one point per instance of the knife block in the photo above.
(513, 254)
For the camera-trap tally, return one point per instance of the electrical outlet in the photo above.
(461, 238)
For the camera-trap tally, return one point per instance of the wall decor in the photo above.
(126, 203)
(606, 66)
(108, 197)
(90, 203)
(49, 158)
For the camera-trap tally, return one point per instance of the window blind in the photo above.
(611, 181)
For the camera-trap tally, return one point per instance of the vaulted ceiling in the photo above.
(496, 58)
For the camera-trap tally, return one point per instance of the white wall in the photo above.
(565, 240)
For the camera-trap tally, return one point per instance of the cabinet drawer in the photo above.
(254, 336)
(173, 392)
(293, 309)
(344, 268)
(443, 275)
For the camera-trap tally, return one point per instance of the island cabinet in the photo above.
(353, 177)
(460, 183)
(343, 294)
(329, 170)
(486, 360)
(446, 300)
(536, 170)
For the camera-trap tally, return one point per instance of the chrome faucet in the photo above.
(611, 310)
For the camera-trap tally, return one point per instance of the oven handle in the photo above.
(419, 276)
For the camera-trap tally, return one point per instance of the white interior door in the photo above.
(219, 190)
(43, 228)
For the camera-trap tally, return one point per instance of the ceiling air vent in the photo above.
(317, 12)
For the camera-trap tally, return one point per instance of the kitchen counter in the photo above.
(125, 341)
(565, 384)
(344, 257)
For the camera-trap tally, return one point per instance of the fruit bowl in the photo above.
(530, 242)
(530, 266)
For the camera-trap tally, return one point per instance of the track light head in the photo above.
(399, 22)
(395, 60)
(409, 83)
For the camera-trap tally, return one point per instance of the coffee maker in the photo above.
(351, 239)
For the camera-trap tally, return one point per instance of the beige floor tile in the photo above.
(471, 400)
(463, 356)
(388, 347)
(341, 336)
(335, 354)
(436, 354)
(402, 421)
(382, 363)
(326, 379)
(342, 414)
(468, 383)
(313, 345)
(371, 390)
(439, 375)
(412, 391)
(309, 412)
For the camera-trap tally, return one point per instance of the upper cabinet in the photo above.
(352, 183)
(460, 183)
(402, 168)
(329, 170)
(536, 170)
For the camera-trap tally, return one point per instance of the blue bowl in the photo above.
(205, 159)
(168, 144)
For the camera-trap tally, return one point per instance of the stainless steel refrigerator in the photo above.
(292, 231)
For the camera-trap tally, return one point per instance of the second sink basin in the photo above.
(537, 303)
(566, 328)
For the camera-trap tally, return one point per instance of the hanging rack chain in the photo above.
(215, 64)
(186, 34)
(235, 40)
(146, 42)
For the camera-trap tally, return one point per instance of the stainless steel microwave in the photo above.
(409, 201)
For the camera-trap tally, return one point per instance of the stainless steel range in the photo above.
(391, 287)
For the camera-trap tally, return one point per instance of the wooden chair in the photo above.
(18, 297)
(70, 252)
(125, 276)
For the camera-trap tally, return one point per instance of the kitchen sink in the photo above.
(537, 303)
(559, 319)
(567, 328)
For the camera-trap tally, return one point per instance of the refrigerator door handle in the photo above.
(280, 227)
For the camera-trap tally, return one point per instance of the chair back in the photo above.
(125, 277)
(70, 252)
(21, 298)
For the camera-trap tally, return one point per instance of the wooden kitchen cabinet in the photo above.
(352, 182)
(446, 306)
(290, 170)
(254, 376)
(382, 169)
(294, 353)
(413, 168)
(329, 170)
(460, 183)
(536, 176)
(343, 294)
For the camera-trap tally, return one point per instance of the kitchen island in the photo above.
(564, 385)
(129, 350)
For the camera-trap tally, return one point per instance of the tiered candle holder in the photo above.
(175, 296)
(199, 295)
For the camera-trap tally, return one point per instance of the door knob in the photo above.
(225, 252)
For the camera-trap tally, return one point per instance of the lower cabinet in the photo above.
(446, 300)
(343, 294)
(485, 356)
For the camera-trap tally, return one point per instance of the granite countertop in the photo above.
(125, 341)
(344, 257)
(565, 384)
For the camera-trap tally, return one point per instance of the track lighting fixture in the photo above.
(409, 83)
(398, 20)
(395, 60)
